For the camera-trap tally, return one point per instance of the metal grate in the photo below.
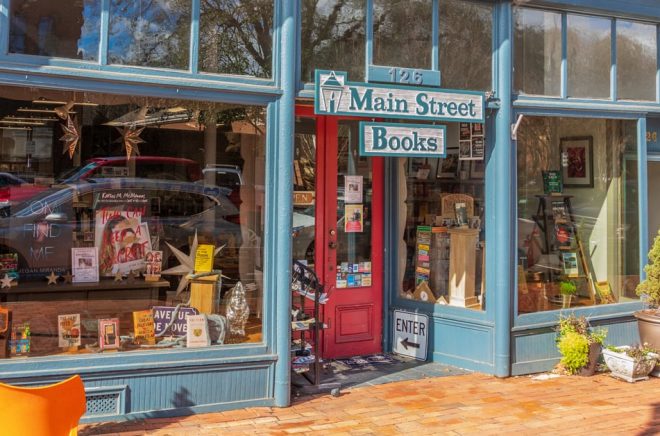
(103, 404)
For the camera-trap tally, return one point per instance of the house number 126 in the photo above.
(403, 75)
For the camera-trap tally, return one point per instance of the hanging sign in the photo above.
(334, 95)
(411, 334)
(405, 140)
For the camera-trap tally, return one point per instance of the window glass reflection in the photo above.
(236, 37)
(589, 56)
(578, 222)
(636, 56)
(149, 33)
(537, 57)
(396, 42)
(63, 29)
(108, 202)
(465, 57)
(333, 37)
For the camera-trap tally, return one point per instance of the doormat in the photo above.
(358, 362)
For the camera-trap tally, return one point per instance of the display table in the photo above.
(462, 267)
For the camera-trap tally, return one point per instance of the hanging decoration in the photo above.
(63, 111)
(130, 137)
(71, 136)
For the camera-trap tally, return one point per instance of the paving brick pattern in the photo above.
(455, 405)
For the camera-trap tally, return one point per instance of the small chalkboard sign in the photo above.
(552, 182)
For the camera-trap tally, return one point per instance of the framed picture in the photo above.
(448, 167)
(578, 166)
(477, 169)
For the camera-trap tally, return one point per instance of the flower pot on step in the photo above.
(594, 353)
(648, 322)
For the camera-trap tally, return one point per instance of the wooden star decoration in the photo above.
(6, 281)
(130, 137)
(68, 277)
(71, 137)
(119, 276)
(52, 278)
(187, 265)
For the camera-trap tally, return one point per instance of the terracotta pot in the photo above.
(594, 354)
(648, 322)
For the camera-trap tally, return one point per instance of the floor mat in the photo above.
(359, 362)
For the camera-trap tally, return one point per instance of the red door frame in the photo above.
(367, 300)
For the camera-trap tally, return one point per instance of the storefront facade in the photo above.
(154, 133)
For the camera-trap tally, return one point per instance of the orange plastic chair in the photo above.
(52, 410)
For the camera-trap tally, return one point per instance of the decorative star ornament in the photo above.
(52, 278)
(187, 265)
(63, 111)
(6, 281)
(68, 277)
(71, 137)
(130, 137)
(119, 276)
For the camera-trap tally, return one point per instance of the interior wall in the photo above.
(654, 199)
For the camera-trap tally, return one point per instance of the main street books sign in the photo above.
(404, 140)
(411, 334)
(334, 95)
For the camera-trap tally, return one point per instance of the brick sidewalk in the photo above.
(457, 405)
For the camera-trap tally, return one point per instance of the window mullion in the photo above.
(194, 37)
(613, 62)
(369, 27)
(435, 52)
(4, 26)
(564, 55)
(105, 28)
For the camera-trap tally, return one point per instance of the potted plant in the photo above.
(578, 345)
(567, 289)
(648, 320)
(630, 363)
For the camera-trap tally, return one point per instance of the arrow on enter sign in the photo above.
(406, 343)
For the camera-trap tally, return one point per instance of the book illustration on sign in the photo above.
(68, 330)
(109, 333)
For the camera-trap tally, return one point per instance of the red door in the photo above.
(347, 249)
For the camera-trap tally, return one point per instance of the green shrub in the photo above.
(651, 285)
(574, 349)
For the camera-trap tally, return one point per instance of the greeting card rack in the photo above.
(307, 324)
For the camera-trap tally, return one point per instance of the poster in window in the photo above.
(448, 167)
(353, 187)
(121, 236)
(353, 218)
(578, 166)
(570, 263)
(84, 265)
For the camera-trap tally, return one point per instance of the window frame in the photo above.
(102, 69)
(613, 97)
(523, 322)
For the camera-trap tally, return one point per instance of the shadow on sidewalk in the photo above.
(362, 371)
(653, 427)
(181, 401)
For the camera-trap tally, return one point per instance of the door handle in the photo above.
(332, 244)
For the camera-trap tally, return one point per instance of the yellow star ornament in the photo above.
(130, 137)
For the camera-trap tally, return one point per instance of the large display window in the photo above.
(128, 223)
(442, 222)
(578, 223)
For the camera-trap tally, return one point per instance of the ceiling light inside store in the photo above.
(10, 118)
(26, 123)
(55, 102)
(39, 111)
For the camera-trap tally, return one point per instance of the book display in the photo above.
(563, 258)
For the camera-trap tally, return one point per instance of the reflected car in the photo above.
(41, 229)
(147, 167)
